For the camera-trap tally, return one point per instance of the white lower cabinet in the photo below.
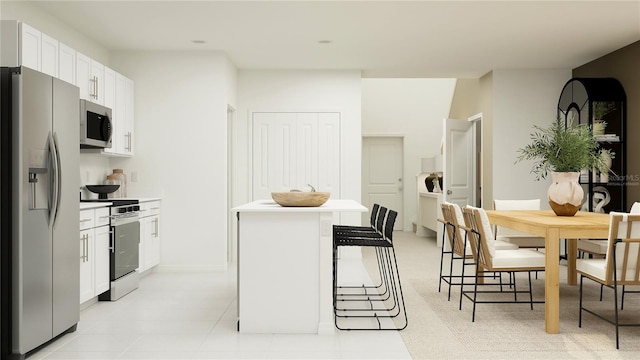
(149, 235)
(94, 253)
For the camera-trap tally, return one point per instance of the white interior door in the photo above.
(459, 160)
(291, 150)
(382, 182)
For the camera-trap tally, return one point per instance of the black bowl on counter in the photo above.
(102, 190)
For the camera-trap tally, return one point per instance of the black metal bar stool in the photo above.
(385, 301)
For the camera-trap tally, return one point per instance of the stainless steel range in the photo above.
(124, 242)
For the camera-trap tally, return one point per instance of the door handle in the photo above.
(449, 192)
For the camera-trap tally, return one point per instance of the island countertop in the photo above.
(331, 205)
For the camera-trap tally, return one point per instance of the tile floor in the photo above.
(193, 316)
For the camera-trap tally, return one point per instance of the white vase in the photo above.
(565, 193)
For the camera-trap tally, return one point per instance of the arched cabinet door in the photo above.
(600, 103)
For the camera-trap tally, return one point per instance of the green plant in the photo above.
(602, 108)
(563, 149)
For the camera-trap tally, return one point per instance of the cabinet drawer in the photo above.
(87, 219)
(149, 208)
(101, 217)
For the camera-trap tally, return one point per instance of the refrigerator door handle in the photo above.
(54, 183)
(58, 176)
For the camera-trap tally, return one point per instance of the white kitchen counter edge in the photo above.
(93, 205)
(329, 206)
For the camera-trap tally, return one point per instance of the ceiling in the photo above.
(464, 39)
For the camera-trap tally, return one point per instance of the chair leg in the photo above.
(462, 282)
(601, 287)
(531, 292)
(475, 294)
(615, 306)
(580, 291)
(622, 301)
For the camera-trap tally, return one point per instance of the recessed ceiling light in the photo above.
(198, 41)
(324, 41)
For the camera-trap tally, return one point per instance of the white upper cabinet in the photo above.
(29, 47)
(23, 45)
(110, 101)
(118, 95)
(66, 63)
(128, 115)
(83, 75)
(97, 80)
(90, 78)
(49, 55)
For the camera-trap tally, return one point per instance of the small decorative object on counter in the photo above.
(113, 180)
(119, 173)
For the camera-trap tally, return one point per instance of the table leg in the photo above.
(572, 254)
(552, 282)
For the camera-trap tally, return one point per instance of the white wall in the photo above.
(521, 99)
(320, 90)
(181, 150)
(414, 109)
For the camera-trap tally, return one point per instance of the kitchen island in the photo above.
(285, 266)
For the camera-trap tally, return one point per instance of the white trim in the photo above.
(475, 117)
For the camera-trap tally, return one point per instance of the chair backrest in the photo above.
(389, 224)
(453, 218)
(382, 213)
(624, 238)
(533, 204)
(480, 237)
(374, 215)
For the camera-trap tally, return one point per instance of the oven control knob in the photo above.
(122, 210)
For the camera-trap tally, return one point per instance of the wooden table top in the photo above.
(582, 224)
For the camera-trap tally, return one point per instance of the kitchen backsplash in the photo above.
(94, 169)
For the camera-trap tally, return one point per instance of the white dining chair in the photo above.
(620, 267)
(519, 238)
(490, 259)
(598, 247)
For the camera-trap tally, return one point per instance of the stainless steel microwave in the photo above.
(95, 125)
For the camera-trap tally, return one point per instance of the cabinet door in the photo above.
(101, 259)
(152, 241)
(97, 78)
(66, 64)
(83, 76)
(129, 116)
(30, 40)
(141, 246)
(87, 279)
(111, 101)
(49, 55)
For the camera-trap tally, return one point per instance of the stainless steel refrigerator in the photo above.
(39, 264)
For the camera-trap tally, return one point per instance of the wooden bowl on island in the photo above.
(300, 198)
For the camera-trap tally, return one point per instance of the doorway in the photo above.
(382, 174)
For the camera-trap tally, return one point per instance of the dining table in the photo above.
(547, 224)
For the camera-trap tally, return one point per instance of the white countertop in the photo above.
(93, 205)
(329, 206)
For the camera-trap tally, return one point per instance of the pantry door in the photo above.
(291, 150)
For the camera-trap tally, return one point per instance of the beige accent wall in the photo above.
(622, 64)
(465, 99)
